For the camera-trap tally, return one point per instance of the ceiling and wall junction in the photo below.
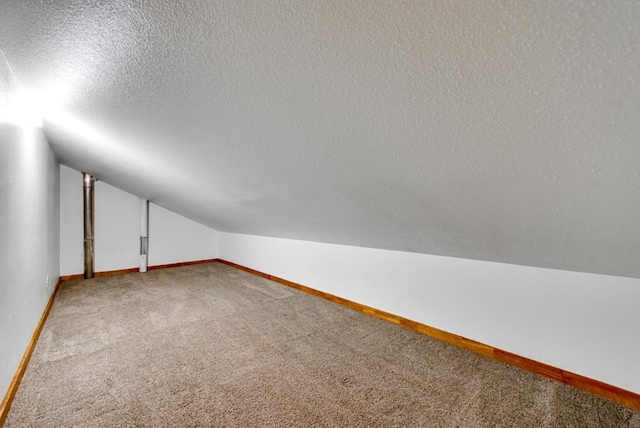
(501, 131)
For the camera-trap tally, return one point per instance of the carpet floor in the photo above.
(213, 346)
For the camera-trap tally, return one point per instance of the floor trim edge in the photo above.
(24, 362)
(17, 377)
(136, 270)
(584, 383)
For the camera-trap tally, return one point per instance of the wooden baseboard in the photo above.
(17, 377)
(172, 265)
(593, 386)
(602, 389)
(134, 270)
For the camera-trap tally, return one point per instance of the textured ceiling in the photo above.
(495, 130)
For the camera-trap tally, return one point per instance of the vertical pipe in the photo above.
(88, 207)
(144, 233)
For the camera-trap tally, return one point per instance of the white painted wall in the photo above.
(71, 247)
(29, 238)
(117, 234)
(172, 238)
(585, 323)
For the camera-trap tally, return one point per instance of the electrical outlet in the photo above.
(47, 284)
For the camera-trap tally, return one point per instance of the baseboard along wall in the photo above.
(593, 386)
(22, 367)
(17, 377)
(134, 270)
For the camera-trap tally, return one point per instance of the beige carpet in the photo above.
(210, 345)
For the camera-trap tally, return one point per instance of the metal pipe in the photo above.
(144, 233)
(88, 208)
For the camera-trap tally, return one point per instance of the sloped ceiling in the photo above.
(493, 130)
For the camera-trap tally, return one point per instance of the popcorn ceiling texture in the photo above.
(503, 131)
